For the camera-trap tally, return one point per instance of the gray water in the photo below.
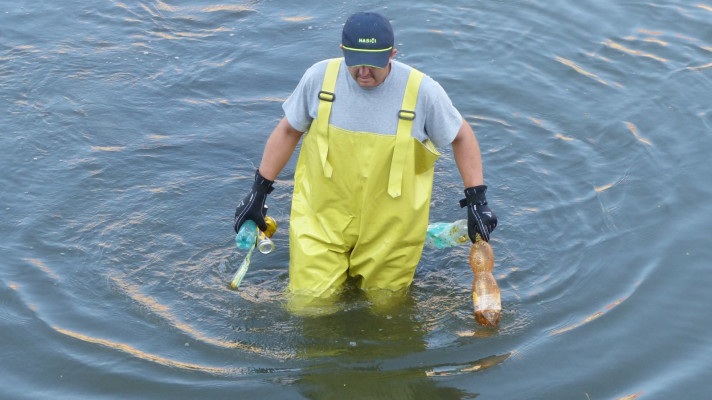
(130, 130)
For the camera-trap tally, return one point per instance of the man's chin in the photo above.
(369, 82)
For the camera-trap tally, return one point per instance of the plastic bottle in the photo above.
(485, 292)
(441, 235)
(249, 234)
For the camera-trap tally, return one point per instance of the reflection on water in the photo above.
(587, 319)
(374, 383)
(151, 357)
(479, 365)
(153, 306)
(355, 347)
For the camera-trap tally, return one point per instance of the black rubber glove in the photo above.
(480, 219)
(253, 205)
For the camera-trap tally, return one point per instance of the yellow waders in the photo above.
(361, 202)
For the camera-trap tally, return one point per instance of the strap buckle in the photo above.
(406, 115)
(327, 96)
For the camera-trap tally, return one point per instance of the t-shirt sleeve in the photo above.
(442, 120)
(302, 105)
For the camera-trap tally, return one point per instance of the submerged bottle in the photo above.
(446, 234)
(249, 235)
(485, 292)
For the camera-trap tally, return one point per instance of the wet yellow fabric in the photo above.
(326, 98)
(403, 136)
(344, 222)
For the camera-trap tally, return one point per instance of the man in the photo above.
(364, 176)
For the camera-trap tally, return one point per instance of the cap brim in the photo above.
(368, 58)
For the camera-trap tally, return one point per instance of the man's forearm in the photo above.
(466, 151)
(279, 148)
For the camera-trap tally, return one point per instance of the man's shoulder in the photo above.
(317, 68)
(404, 69)
(399, 67)
(315, 73)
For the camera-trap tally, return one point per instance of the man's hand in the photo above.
(480, 219)
(253, 207)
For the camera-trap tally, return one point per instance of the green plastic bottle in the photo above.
(441, 235)
(249, 236)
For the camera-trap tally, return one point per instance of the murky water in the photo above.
(129, 131)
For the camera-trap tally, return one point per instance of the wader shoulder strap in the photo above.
(326, 98)
(405, 124)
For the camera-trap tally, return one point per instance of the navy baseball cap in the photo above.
(367, 39)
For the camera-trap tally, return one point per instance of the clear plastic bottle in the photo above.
(485, 292)
(249, 235)
(441, 235)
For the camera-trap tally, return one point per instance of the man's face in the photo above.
(369, 77)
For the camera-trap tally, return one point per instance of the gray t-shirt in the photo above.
(375, 109)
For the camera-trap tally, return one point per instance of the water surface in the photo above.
(130, 131)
